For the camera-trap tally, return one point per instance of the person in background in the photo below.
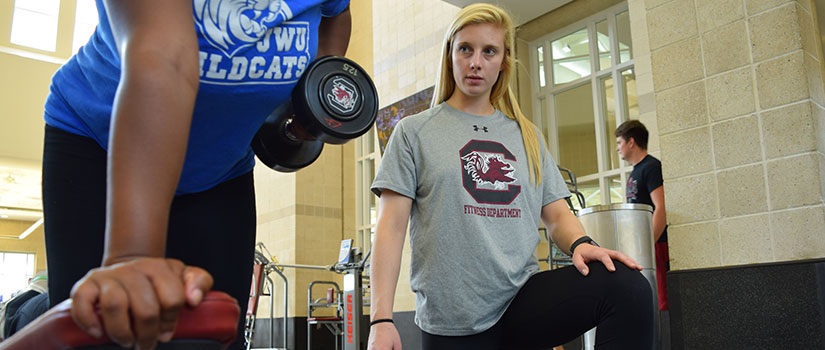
(24, 305)
(645, 185)
(473, 178)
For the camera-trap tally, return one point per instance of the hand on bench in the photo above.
(215, 320)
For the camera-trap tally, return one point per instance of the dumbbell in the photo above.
(333, 102)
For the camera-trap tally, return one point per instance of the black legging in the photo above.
(556, 306)
(213, 229)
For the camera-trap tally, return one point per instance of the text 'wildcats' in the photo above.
(265, 64)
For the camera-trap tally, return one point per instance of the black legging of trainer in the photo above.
(213, 229)
(556, 306)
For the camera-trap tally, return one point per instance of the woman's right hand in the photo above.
(384, 336)
(138, 300)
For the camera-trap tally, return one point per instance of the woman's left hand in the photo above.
(585, 253)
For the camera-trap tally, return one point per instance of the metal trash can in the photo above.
(628, 228)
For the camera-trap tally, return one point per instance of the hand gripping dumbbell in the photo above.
(334, 101)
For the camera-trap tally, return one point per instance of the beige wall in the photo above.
(22, 95)
(739, 92)
(26, 84)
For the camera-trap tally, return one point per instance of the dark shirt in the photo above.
(645, 177)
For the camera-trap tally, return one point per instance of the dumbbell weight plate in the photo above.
(336, 100)
(280, 153)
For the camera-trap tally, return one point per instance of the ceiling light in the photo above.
(22, 214)
(31, 229)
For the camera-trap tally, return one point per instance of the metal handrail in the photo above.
(311, 304)
(269, 267)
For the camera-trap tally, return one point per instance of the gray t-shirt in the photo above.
(475, 214)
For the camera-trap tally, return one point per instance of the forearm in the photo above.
(393, 216)
(659, 223)
(150, 127)
(564, 227)
(567, 232)
(384, 269)
(659, 214)
(334, 34)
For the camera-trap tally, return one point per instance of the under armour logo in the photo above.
(476, 128)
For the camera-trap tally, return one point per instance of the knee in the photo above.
(625, 283)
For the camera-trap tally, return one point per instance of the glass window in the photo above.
(540, 52)
(15, 271)
(609, 110)
(624, 38)
(576, 130)
(85, 21)
(571, 57)
(34, 24)
(368, 143)
(366, 201)
(614, 183)
(593, 102)
(544, 117)
(631, 100)
(603, 44)
(373, 207)
(592, 193)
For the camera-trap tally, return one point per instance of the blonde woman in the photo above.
(474, 180)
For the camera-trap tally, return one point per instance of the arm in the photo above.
(565, 229)
(334, 34)
(659, 214)
(150, 122)
(393, 215)
(563, 225)
(138, 292)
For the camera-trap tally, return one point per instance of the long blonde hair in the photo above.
(501, 96)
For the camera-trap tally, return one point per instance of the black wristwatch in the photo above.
(585, 239)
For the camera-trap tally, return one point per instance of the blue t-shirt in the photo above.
(251, 55)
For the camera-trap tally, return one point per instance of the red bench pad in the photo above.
(216, 318)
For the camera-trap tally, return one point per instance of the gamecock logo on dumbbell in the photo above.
(342, 96)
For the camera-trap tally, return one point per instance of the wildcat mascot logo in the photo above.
(251, 42)
(230, 25)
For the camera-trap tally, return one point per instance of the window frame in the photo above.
(546, 119)
(366, 203)
(40, 46)
(65, 35)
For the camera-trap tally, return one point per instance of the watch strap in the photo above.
(584, 239)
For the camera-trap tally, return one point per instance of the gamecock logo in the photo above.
(342, 96)
(487, 174)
